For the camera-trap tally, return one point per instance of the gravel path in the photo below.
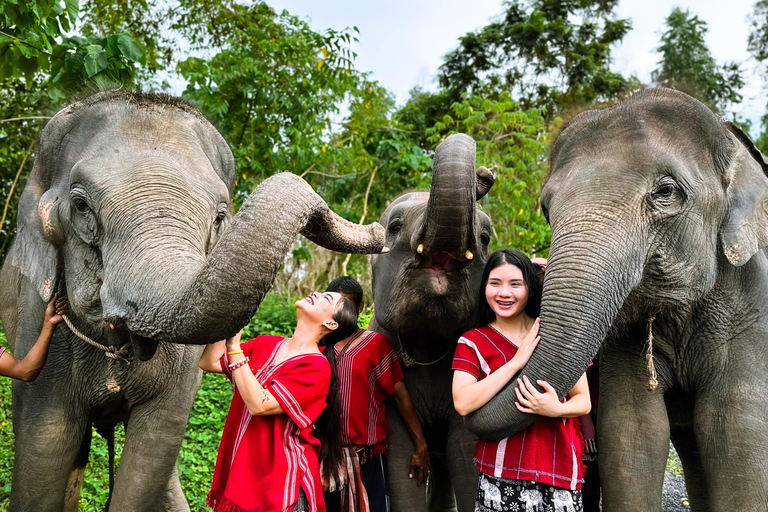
(674, 498)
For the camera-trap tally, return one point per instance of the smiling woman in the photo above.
(268, 457)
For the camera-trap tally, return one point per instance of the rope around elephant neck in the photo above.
(653, 382)
(408, 359)
(114, 356)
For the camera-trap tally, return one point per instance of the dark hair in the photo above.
(485, 314)
(328, 424)
(347, 285)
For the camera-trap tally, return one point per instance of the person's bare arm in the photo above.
(258, 401)
(469, 394)
(420, 458)
(530, 400)
(212, 354)
(29, 368)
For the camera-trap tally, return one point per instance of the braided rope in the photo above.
(114, 356)
(408, 359)
(653, 382)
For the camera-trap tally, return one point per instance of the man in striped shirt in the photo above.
(369, 371)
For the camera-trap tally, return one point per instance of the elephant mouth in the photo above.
(142, 348)
(441, 262)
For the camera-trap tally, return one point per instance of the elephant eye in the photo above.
(485, 237)
(395, 226)
(664, 190)
(80, 204)
(220, 218)
(545, 213)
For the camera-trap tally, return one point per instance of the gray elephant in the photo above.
(425, 291)
(127, 210)
(659, 216)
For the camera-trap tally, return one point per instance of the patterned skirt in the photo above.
(505, 495)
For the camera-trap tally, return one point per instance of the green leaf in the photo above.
(129, 48)
(73, 9)
(95, 60)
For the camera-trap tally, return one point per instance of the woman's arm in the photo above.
(547, 404)
(212, 354)
(29, 368)
(258, 401)
(469, 394)
(420, 458)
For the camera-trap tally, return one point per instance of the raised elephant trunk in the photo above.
(449, 221)
(225, 293)
(581, 297)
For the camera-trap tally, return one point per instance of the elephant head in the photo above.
(128, 208)
(649, 202)
(438, 246)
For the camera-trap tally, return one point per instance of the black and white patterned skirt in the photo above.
(506, 495)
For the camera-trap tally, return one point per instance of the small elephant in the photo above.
(425, 293)
(533, 499)
(127, 211)
(491, 494)
(659, 260)
(562, 500)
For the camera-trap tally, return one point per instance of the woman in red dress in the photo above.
(540, 467)
(268, 456)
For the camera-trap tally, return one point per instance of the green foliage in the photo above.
(276, 315)
(552, 53)
(758, 47)
(32, 40)
(515, 140)
(270, 86)
(687, 63)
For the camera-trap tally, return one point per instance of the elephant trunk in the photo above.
(224, 294)
(449, 221)
(588, 278)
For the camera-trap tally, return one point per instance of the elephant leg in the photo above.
(440, 496)
(695, 483)
(76, 477)
(633, 435)
(404, 494)
(464, 475)
(153, 437)
(174, 499)
(48, 439)
(732, 437)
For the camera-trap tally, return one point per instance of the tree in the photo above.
(32, 41)
(552, 53)
(687, 64)
(758, 47)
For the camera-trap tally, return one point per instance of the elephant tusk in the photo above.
(384, 250)
(420, 248)
(469, 255)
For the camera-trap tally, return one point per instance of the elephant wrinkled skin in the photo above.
(127, 210)
(659, 215)
(425, 292)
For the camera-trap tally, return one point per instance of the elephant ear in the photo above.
(33, 252)
(745, 229)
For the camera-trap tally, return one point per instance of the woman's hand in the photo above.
(527, 345)
(533, 402)
(233, 343)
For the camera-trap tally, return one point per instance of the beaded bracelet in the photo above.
(234, 366)
(233, 352)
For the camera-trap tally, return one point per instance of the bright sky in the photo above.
(402, 42)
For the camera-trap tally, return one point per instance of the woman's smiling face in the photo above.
(319, 307)
(506, 292)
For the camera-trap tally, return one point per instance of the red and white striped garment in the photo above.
(2, 351)
(368, 371)
(548, 452)
(263, 460)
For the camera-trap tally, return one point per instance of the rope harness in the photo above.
(408, 360)
(114, 356)
(653, 382)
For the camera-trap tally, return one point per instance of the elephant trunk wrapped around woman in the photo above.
(127, 211)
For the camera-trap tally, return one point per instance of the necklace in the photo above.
(510, 338)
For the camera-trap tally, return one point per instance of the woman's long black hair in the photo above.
(485, 314)
(328, 425)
